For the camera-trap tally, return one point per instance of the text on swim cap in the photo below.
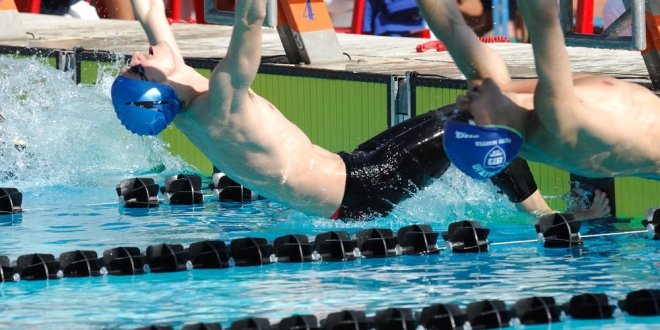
(492, 142)
(463, 135)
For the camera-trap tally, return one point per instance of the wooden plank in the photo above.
(372, 54)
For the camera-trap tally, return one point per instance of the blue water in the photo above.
(79, 152)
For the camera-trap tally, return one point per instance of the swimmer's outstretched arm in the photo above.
(239, 67)
(151, 14)
(476, 60)
(554, 99)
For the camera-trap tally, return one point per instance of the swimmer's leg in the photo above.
(475, 59)
(535, 204)
(517, 182)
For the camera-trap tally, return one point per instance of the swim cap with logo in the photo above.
(481, 152)
(144, 107)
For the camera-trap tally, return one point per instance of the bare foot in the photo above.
(600, 207)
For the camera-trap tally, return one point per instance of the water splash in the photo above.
(579, 198)
(452, 197)
(58, 133)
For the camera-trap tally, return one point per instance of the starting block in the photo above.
(304, 27)
(651, 53)
(642, 15)
(609, 38)
(11, 27)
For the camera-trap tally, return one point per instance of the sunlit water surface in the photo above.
(77, 151)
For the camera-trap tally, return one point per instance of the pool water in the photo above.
(77, 152)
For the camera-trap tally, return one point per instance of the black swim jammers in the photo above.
(397, 163)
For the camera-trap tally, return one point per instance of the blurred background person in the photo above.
(68, 8)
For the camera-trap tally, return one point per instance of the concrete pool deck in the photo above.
(369, 54)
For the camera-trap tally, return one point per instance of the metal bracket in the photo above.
(634, 15)
(400, 91)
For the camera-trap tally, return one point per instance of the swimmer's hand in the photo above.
(600, 207)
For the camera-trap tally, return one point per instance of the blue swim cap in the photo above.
(481, 151)
(144, 107)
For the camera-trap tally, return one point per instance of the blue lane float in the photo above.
(202, 326)
(442, 316)
(11, 201)
(466, 236)
(81, 264)
(377, 243)
(164, 258)
(558, 230)
(488, 314)
(183, 189)
(652, 224)
(209, 254)
(293, 248)
(251, 251)
(589, 306)
(554, 231)
(394, 318)
(138, 193)
(536, 310)
(644, 302)
(418, 240)
(346, 320)
(124, 261)
(336, 246)
(225, 189)
(7, 272)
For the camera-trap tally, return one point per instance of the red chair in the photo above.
(175, 12)
(584, 20)
(199, 11)
(28, 6)
(358, 19)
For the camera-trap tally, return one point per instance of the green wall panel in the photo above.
(429, 98)
(89, 71)
(335, 114)
(50, 61)
(635, 195)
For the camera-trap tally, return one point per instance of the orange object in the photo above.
(306, 15)
(652, 33)
(7, 5)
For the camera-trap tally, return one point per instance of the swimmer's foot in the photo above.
(600, 207)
